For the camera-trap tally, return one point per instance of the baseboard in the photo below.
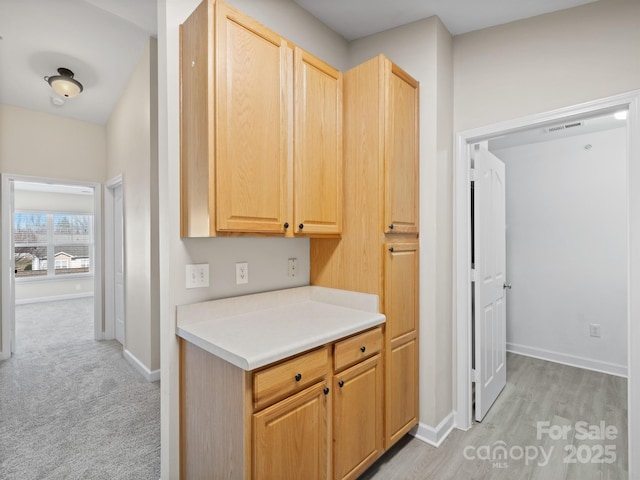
(435, 436)
(571, 360)
(149, 375)
(54, 298)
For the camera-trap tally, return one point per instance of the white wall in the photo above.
(44, 145)
(424, 50)
(546, 62)
(566, 249)
(131, 152)
(38, 289)
(267, 257)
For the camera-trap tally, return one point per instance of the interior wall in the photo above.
(129, 153)
(267, 257)
(37, 144)
(43, 145)
(424, 50)
(546, 62)
(38, 290)
(566, 249)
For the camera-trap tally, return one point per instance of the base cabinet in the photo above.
(290, 438)
(357, 427)
(315, 416)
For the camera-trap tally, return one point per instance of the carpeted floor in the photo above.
(71, 407)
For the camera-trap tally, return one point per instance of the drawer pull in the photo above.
(326, 390)
(301, 226)
(286, 225)
(363, 348)
(341, 383)
(391, 249)
(391, 227)
(298, 377)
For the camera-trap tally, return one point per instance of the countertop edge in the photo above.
(259, 361)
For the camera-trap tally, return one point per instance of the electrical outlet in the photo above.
(594, 330)
(242, 273)
(293, 267)
(197, 276)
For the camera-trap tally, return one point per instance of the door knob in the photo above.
(506, 285)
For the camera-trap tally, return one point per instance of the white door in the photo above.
(118, 263)
(490, 374)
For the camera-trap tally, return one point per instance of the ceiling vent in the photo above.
(558, 128)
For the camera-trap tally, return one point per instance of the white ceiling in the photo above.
(359, 18)
(89, 37)
(102, 40)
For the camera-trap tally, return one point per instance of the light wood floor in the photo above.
(536, 391)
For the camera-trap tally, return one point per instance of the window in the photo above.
(67, 238)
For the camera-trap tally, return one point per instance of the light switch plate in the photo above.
(197, 276)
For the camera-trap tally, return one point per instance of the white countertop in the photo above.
(255, 330)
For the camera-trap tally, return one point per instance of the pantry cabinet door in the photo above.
(401, 151)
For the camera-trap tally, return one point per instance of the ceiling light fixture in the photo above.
(621, 115)
(64, 84)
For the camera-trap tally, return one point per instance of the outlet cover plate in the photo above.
(242, 273)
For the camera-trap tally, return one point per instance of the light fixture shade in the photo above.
(64, 84)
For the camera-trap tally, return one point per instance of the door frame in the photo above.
(7, 278)
(109, 254)
(462, 245)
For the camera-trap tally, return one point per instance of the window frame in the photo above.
(50, 245)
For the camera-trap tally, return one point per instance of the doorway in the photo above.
(462, 261)
(50, 245)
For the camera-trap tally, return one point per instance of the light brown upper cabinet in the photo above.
(252, 84)
(318, 146)
(261, 131)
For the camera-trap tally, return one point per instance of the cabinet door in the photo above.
(357, 427)
(290, 438)
(318, 146)
(401, 339)
(401, 151)
(253, 123)
(402, 390)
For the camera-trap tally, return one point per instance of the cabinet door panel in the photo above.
(401, 152)
(357, 428)
(290, 438)
(402, 391)
(318, 146)
(252, 124)
(401, 289)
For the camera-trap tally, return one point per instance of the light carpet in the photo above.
(71, 407)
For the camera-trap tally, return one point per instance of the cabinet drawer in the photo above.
(354, 349)
(285, 378)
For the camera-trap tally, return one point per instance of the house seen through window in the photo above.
(40, 237)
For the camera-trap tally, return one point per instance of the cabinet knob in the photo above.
(363, 348)
(391, 227)
(298, 377)
(286, 225)
(301, 226)
(391, 249)
(326, 390)
(341, 383)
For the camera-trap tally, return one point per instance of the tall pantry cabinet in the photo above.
(378, 251)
